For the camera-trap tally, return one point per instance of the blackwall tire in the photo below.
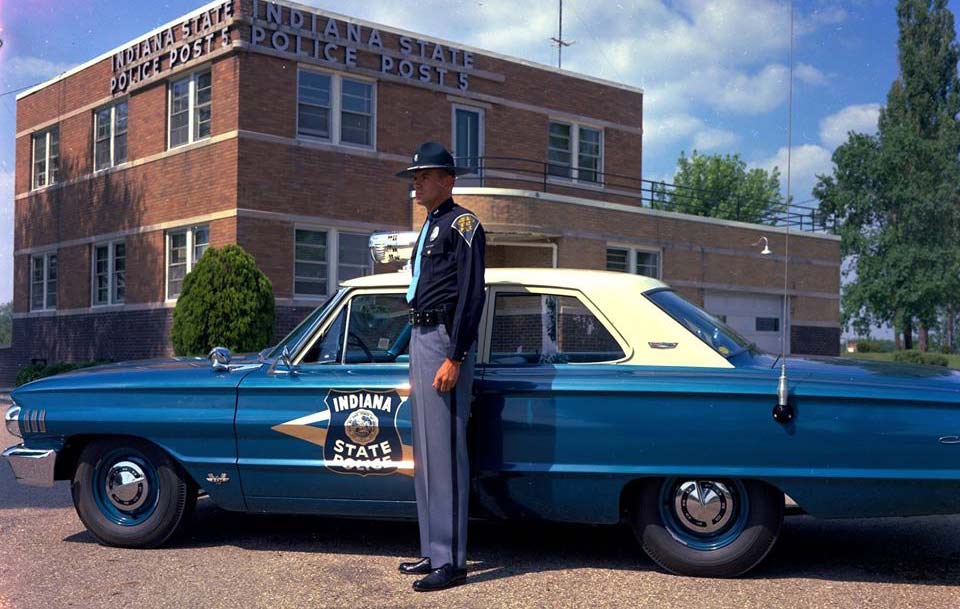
(131, 494)
(675, 535)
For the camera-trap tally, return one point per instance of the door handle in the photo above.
(662, 345)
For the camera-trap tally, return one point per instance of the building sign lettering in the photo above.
(149, 57)
(328, 39)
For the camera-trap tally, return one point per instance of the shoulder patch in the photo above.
(466, 225)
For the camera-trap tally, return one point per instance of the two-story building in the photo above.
(279, 127)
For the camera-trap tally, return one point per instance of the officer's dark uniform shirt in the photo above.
(451, 273)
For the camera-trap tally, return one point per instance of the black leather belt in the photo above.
(429, 317)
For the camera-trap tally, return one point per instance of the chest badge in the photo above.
(433, 235)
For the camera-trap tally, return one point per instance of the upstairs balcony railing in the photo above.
(545, 176)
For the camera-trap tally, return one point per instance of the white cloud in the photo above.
(711, 138)
(19, 70)
(809, 74)
(806, 161)
(6, 236)
(860, 118)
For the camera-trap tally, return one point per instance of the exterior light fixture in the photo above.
(766, 247)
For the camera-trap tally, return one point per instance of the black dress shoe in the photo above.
(446, 576)
(420, 567)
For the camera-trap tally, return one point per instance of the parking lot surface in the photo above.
(48, 560)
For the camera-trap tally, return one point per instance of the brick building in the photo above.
(279, 127)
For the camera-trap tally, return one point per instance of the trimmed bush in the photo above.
(868, 345)
(226, 301)
(32, 372)
(918, 357)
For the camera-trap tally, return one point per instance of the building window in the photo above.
(575, 152)
(190, 109)
(336, 109)
(110, 136)
(767, 324)
(43, 282)
(353, 256)
(468, 137)
(356, 114)
(46, 157)
(310, 263)
(184, 248)
(325, 257)
(109, 273)
(637, 262)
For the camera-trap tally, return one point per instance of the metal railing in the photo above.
(545, 176)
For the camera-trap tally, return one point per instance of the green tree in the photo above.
(721, 186)
(895, 194)
(6, 323)
(225, 301)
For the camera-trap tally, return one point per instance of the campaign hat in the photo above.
(431, 155)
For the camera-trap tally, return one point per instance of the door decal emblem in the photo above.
(358, 432)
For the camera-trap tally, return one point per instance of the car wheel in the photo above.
(130, 493)
(707, 528)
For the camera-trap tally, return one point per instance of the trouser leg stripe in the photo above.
(456, 493)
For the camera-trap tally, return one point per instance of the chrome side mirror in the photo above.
(285, 359)
(220, 359)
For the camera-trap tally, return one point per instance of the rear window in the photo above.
(548, 329)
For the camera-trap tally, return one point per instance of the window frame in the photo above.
(344, 306)
(336, 108)
(486, 326)
(46, 133)
(575, 127)
(111, 272)
(632, 251)
(481, 136)
(191, 105)
(46, 279)
(112, 137)
(190, 232)
(333, 257)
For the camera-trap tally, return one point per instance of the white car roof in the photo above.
(580, 279)
(652, 337)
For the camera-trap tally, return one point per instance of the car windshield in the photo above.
(721, 337)
(295, 335)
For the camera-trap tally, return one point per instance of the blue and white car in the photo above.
(599, 398)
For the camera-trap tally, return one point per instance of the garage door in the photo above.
(756, 316)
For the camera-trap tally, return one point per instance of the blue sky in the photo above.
(714, 72)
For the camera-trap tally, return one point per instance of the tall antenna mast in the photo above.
(559, 41)
(783, 411)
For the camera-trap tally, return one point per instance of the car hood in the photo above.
(152, 373)
(849, 376)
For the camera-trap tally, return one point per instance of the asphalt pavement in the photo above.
(48, 561)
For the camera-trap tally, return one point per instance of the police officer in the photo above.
(446, 297)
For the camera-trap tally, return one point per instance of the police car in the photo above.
(600, 398)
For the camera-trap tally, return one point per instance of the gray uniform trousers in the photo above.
(441, 464)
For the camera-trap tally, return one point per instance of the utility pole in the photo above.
(559, 41)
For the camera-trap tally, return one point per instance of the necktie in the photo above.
(412, 290)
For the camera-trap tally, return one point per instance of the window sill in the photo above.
(558, 181)
(320, 142)
(187, 145)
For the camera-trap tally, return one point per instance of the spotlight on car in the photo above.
(393, 247)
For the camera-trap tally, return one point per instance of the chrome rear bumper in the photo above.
(31, 466)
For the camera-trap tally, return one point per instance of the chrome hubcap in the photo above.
(703, 506)
(127, 486)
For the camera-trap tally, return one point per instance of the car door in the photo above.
(332, 434)
(548, 358)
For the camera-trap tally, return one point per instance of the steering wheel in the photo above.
(353, 339)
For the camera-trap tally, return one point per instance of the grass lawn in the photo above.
(953, 358)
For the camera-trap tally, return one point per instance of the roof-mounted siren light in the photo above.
(396, 246)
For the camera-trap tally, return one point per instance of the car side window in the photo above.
(378, 330)
(327, 349)
(548, 329)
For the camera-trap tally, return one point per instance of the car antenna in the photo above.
(783, 411)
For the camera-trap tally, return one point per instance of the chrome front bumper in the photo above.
(31, 466)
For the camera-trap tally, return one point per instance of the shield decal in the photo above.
(358, 432)
(362, 436)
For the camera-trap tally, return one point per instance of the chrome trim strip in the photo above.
(11, 420)
(31, 467)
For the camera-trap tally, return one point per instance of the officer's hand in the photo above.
(446, 376)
